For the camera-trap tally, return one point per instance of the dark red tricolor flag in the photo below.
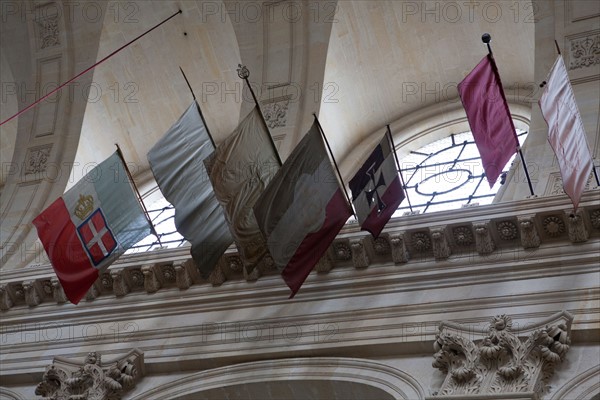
(489, 117)
(302, 210)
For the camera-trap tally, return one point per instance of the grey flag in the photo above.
(176, 161)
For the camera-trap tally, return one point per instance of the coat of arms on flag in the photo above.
(96, 237)
(91, 225)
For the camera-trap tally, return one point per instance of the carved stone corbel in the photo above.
(399, 251)
(576, 228)
(32, 297)
(93, 292)
(267, 264)
(325, 264)
(249, 276)
(5, 301)
(151, 281)
(484, 243)
(183, 280)
(360, 259)
(120, 285)
(529, 234)
(440, 246)
(58, 293)
(217, 276)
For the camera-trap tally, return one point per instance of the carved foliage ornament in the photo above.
(48, 32)
(276, 113)
(37, 160)
(500, 362)
(585, 52)
(68, 380)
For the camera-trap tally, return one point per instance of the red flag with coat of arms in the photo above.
(91, 225)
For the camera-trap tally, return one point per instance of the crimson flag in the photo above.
(489, 117)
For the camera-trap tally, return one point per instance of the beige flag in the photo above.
(239, 169)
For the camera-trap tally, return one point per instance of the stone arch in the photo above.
(7, 394)
(584, 386)
(375, 378)
(41, 57)
(425, 126)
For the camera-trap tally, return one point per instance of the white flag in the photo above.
(565, 131)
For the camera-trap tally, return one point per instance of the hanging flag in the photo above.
(565, 131)
(302, 210)
(176, 161)
(240, 169)
(483, 97)
(91, 225)
(376, 189)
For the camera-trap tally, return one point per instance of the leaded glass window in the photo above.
(448, 174)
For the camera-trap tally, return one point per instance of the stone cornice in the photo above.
(399, 303)
(477, 243)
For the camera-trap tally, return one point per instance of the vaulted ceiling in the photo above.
(358, 64)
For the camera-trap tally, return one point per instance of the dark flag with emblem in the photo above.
(376, 189)
(91, 225)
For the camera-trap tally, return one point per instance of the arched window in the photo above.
(448, 174)
(162, 215)
(443, 175)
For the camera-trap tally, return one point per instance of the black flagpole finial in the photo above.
(243, 72)
(487, 38)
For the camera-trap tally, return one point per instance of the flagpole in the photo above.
(198, 107)
(335, 164)
(391, 140)
(487, 38)
(557, 47)
(88, 69)
(137, 192)
(244, 74)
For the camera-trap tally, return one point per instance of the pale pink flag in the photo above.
(565, 131)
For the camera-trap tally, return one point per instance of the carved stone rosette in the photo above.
(500, 362)
(67, 379)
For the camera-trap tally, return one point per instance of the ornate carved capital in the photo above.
(498, 361)
(91, 379)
